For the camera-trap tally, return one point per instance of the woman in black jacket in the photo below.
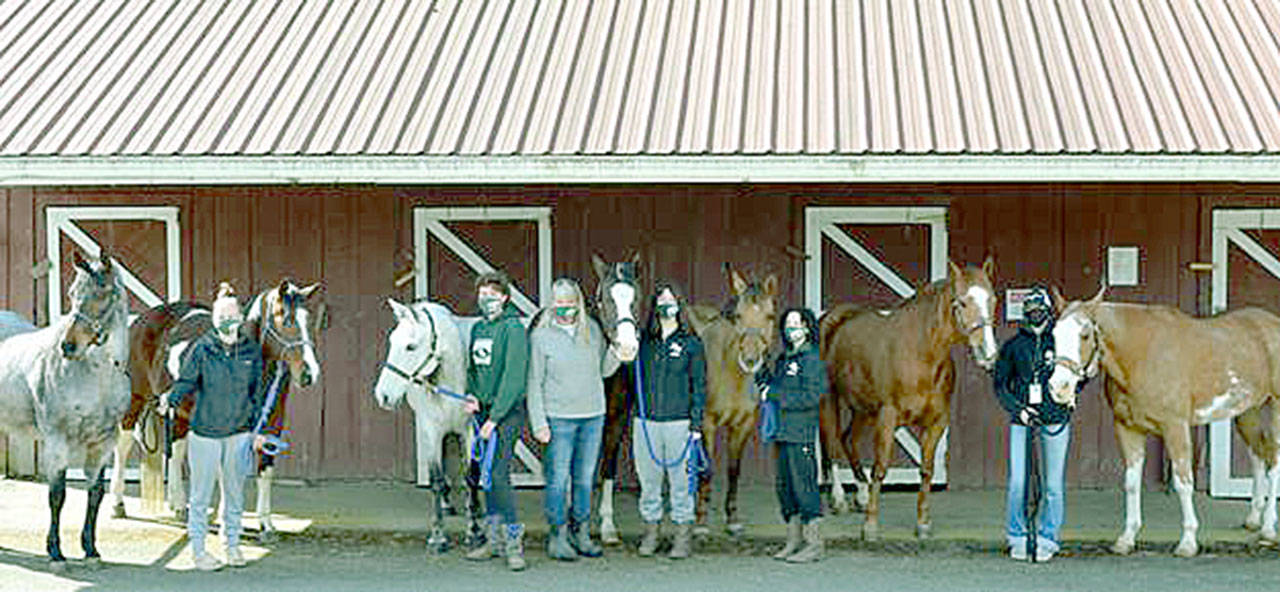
(796, 381)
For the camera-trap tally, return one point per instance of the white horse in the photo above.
(67, 385)
(427, 364)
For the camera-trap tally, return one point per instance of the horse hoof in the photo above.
(93, 563)
(268, 536)
(924, 532)
(870, 532)
(181, 516)
(839, 506)
(1252, 525)
(735, 529)
(1122, 547)
(1186, 549)
(118, 511)
(58, 566)
(437, 546)
(610, 536)
(701, 530)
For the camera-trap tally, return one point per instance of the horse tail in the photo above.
(831, 321)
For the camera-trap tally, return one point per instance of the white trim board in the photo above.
(822, 223)
(1228, 229)
(387, 169)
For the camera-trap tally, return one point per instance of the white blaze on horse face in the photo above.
(1066, 340)
(983, 300)
(628, 342)
(303, 317)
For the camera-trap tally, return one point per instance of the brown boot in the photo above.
(793, 539)
(649, 544)
(813, 545)
(682, 542)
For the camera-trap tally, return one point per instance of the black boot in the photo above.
(580, 538)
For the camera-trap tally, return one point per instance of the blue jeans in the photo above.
(1054, 441)
(571, 461)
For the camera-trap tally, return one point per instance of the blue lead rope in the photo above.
(699, 462)
(483, 450)
(768, 420)
(274, 445)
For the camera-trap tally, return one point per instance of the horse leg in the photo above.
(438, 541)
(1249, 426)
(932, 435)
(1271, 452)
(886, 421)
(608, 473)
(704, 488)
(124, 444)
(1177, 442)
(151, 466)
(177, 487)
(828, 439)
(738, 437)
(266, 529)
(1133, 448)
(57, 496)
(89, 531)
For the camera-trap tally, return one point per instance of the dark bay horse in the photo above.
(737, 339)
(1167, 371)
(67, 385)
(286, 319)
(894, 368)
(616, 306)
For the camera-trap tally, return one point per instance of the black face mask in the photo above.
(1038, 317)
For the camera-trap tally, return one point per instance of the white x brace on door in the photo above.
(821, 224)
(1229, 226)
(429, 223)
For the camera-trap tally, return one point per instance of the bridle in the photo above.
(1082, 371)
(269, 329)
(623, 273)
(417, 376)
(967, 330)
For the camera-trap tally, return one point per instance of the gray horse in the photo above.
(67, 385)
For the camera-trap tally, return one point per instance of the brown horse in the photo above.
(286, 319)
(1166, 372)
(893, 368)
(737, 340)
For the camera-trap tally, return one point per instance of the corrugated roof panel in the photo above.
(438, 77)
(820, 117)
(939, 65)
(851, 78)
(1039, 104)
(700, 99)
(1230, 110)
(468, 78)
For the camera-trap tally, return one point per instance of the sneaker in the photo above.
(1043, 555)
(207, 562)
(235, 558)
(1018, 552)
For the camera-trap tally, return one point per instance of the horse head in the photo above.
(753, 311)
(412, 355)
(97, 294)
(288, 320)
(1078, 342)
(617, 304)
(973, 308)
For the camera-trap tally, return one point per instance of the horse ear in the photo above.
(1101, 292)
(635, 260)
(1059, 303)
(771, 285)
(601, 268)
(989, 267)
(283, 288)
(315, 289)
(953, 269)
(399, 310)
(736, 281)
(79, 261)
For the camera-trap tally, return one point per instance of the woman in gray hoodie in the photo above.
(568, 358)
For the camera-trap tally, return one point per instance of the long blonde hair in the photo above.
(582, 324)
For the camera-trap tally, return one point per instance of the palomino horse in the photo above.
(1166, 372)
(66, 385)
(737, 340)
(894, 368)
(286, 320)
(427, 364)
(616, 307)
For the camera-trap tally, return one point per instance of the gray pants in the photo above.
(228, 460)
(664, 441)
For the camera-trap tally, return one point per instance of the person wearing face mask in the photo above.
(794, 384)
(1022, 384)
(671, 397)
(568, 358)
(223, 372)
(496, 381)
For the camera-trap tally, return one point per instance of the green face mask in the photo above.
(797, 335)
(490, 305)
(669, 310)
(228, 327)
(566, 314)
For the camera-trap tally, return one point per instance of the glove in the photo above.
(695, 433)
(1028, 415)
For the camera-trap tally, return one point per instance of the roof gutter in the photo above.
(435, 170)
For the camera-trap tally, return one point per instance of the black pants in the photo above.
(500, 500)
(797, 481)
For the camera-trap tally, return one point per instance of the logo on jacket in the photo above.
(793, 369)
(482, 352)
(675, 350)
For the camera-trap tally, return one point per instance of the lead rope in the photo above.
(644, 427)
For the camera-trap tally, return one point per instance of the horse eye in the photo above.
(411, 347)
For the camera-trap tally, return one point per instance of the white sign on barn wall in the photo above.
(429, 223)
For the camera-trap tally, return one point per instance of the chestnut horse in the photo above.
(737, 341)
(1166, 372)
(286, 320)
(893, 368)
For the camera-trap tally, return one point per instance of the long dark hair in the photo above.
(653, 326)
(806, 317)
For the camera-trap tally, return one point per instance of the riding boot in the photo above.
(515, 547)
(793, 539)
(813, 545)
(580, 538)
(680, 545)
(558, 546)
(649, 544)
(493, 542)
